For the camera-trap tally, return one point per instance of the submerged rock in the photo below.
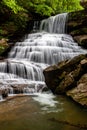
(67, 78)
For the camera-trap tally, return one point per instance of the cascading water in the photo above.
(54, 24)
(23, 70)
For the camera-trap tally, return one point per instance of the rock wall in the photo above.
(77, 25)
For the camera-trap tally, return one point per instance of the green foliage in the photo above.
(71, 5)
(41, 6)
(14, 14)
(20, 19)
(13, 5)
(43, 9)
(64, 5)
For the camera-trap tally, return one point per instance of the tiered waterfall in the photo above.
(23, 69)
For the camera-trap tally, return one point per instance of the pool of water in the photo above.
(41, 112)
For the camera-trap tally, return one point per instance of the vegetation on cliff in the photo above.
(14, 14)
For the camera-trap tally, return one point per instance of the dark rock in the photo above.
(63, 78)
(17, 89)
(45, 89)
(81, 40)
(77, 23)
(4, 92)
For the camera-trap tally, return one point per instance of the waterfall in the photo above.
(22, 71)
(54, 24)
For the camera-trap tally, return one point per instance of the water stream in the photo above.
(22, 72)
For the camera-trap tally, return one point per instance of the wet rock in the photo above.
(45, 89)
(7, 89)
(17, 89)
(3, 91)
(69, 77)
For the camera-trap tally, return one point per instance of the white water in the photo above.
(27, 59)
(54, 24)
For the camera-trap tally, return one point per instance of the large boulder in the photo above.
(67, 76)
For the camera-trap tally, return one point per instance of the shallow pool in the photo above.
(42, 112)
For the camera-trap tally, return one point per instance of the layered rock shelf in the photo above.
(77, 25)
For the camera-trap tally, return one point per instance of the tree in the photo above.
(50, 7)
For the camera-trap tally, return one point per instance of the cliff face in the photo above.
(77, 25)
